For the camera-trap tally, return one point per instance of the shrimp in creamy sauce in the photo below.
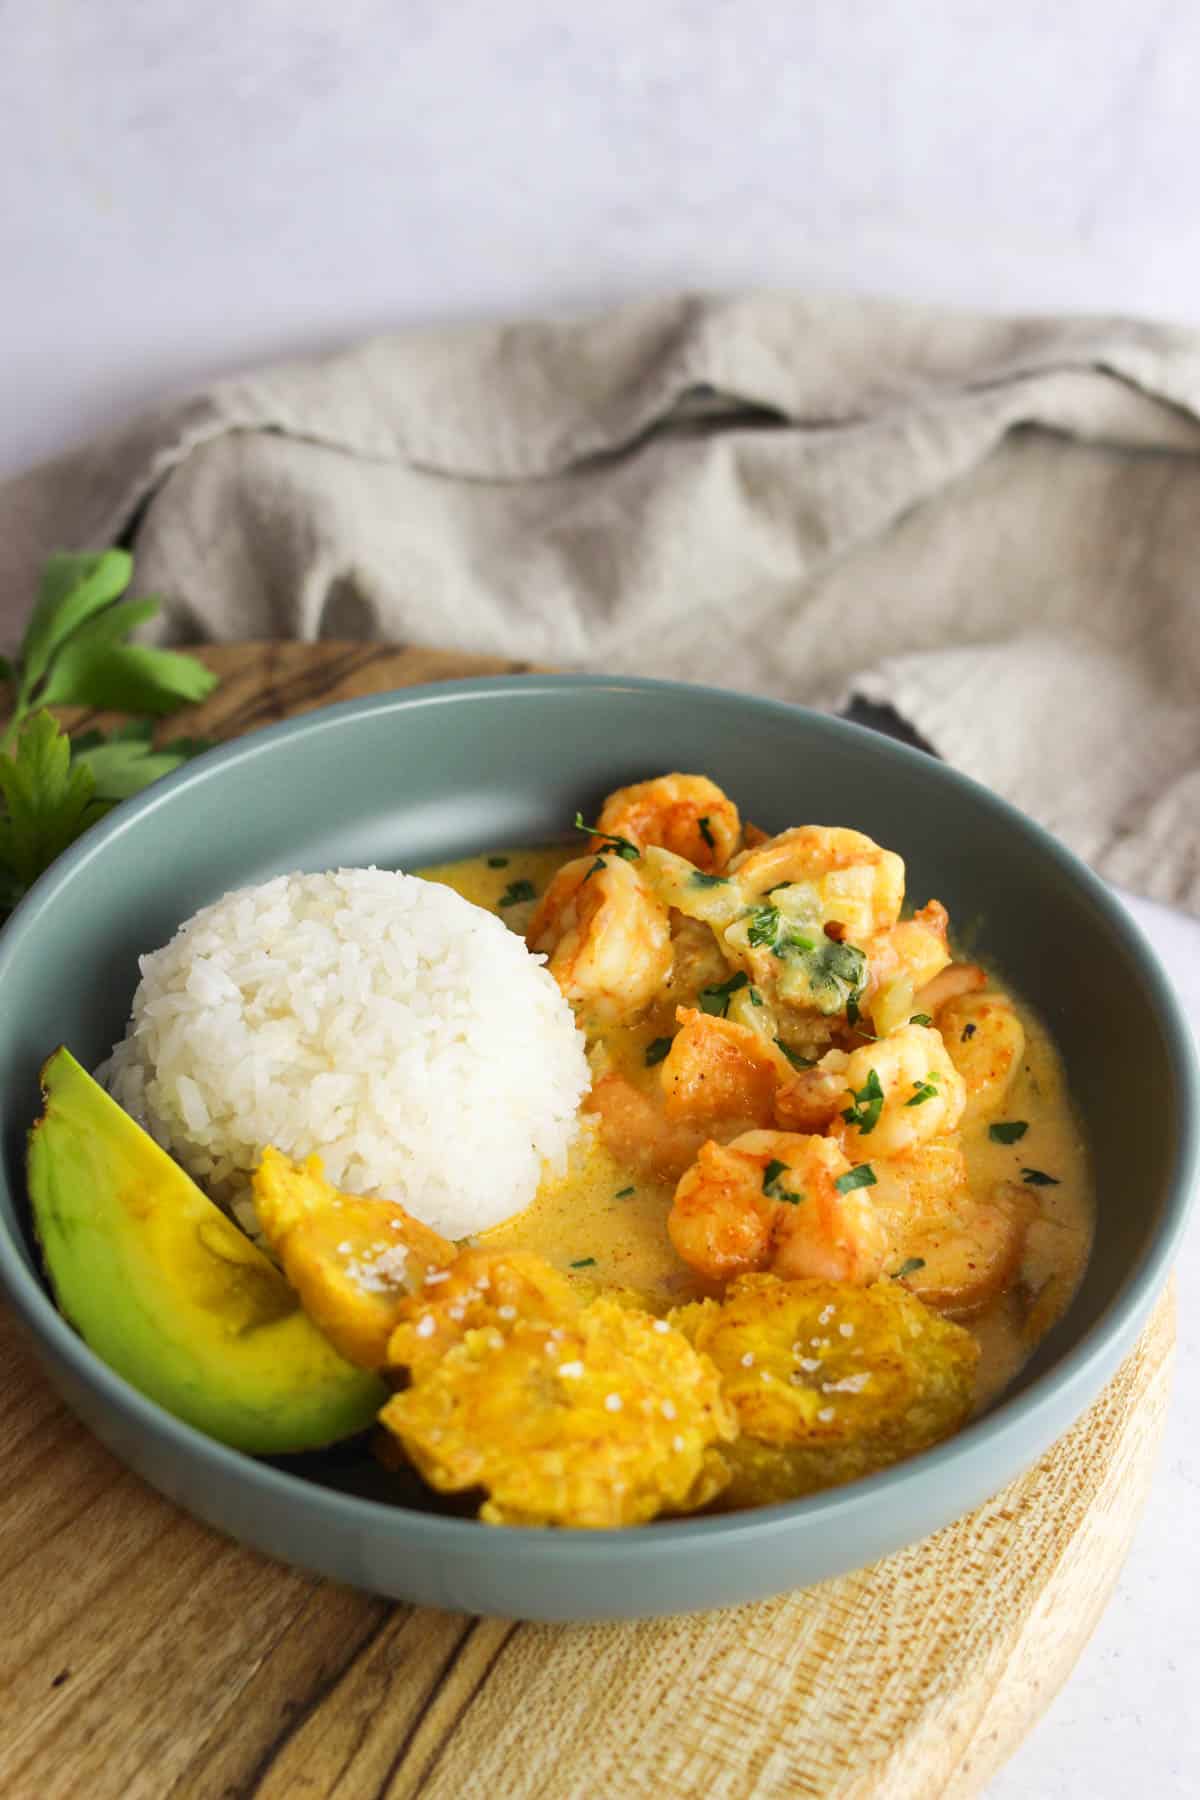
(793, 1079)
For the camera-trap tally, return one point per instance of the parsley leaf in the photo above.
(827, 975)
(72, 589)
(863, 1175)
(121, 768)
(764, 926)
(920, 1019)
(624, 1193)
(620, 845)
(497, 862)
(48, 801)
(584, 1262)
(715, 1000)
(868, 1104)
(657, 1051)
(1038, 1178)
(794, 1057)
(1008, 1131)
(909, 1266)
(517, 892)
(706, 833)
(698, 879)
(969, 1031)
(924, 1090)
(75, 653)
(771, 1187)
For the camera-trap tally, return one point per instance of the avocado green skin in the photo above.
(431, 773)
(125, 1236)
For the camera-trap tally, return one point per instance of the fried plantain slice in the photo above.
(351, 1259)
(599, 1417)
(480, 1289)
(828, 1381)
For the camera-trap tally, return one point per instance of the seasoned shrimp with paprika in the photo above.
(986, 1041)
(607, 935)
(901, 1091)
(779, 1201)
(686, 814)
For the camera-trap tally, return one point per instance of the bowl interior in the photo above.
(412, 779)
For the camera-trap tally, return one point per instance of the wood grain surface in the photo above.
(143, 1657)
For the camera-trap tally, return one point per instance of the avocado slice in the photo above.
(162, 1286)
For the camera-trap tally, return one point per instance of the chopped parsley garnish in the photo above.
(584, 1262)
(909, 1266)
(1038, 1178)
(868, 1104)
(619, 845)
(497, 862)
(764, 926)
(920, 1019)
(715, 1000)
(771, 1187)
(794, 1057)
(969, 1032)
(657, 1050)
(517, 892)
(756, 998)
(624, 1193)
(698, 879)
(924, 1090)
(861, 1176)
(833, 974)
(779, 885)
(706, 833)
(795, 940)
(1008, 1131)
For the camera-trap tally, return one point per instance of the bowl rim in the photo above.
(1067, 1386)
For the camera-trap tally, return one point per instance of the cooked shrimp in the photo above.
(903, 961)
(770, 1200)
(901, 1091)
(607, 935)
(686, 814)
(849, 880)
(986, 1041)
(958, 978)
(637, 1132)
(953, 1249)
(925, 1183)
(716, 1069)
(963, 1259)
(721, 1070)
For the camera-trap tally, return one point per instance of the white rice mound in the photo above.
(405, 1035)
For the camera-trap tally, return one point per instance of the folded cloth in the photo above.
(992, 525)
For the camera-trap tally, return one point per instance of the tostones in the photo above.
(595, 1415)
(828, 1381)
(351, 1260)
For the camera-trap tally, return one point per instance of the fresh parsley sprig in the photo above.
(608, 842)
(866, 1104)
(76, 652)
(773, 1188)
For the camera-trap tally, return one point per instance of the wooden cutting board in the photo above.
(142, 1656)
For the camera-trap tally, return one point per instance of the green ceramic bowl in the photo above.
(435, 773)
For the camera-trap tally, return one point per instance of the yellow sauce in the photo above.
(607, 1224)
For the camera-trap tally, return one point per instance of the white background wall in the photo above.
(190, 184)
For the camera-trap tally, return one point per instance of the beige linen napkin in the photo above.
(992, 525)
